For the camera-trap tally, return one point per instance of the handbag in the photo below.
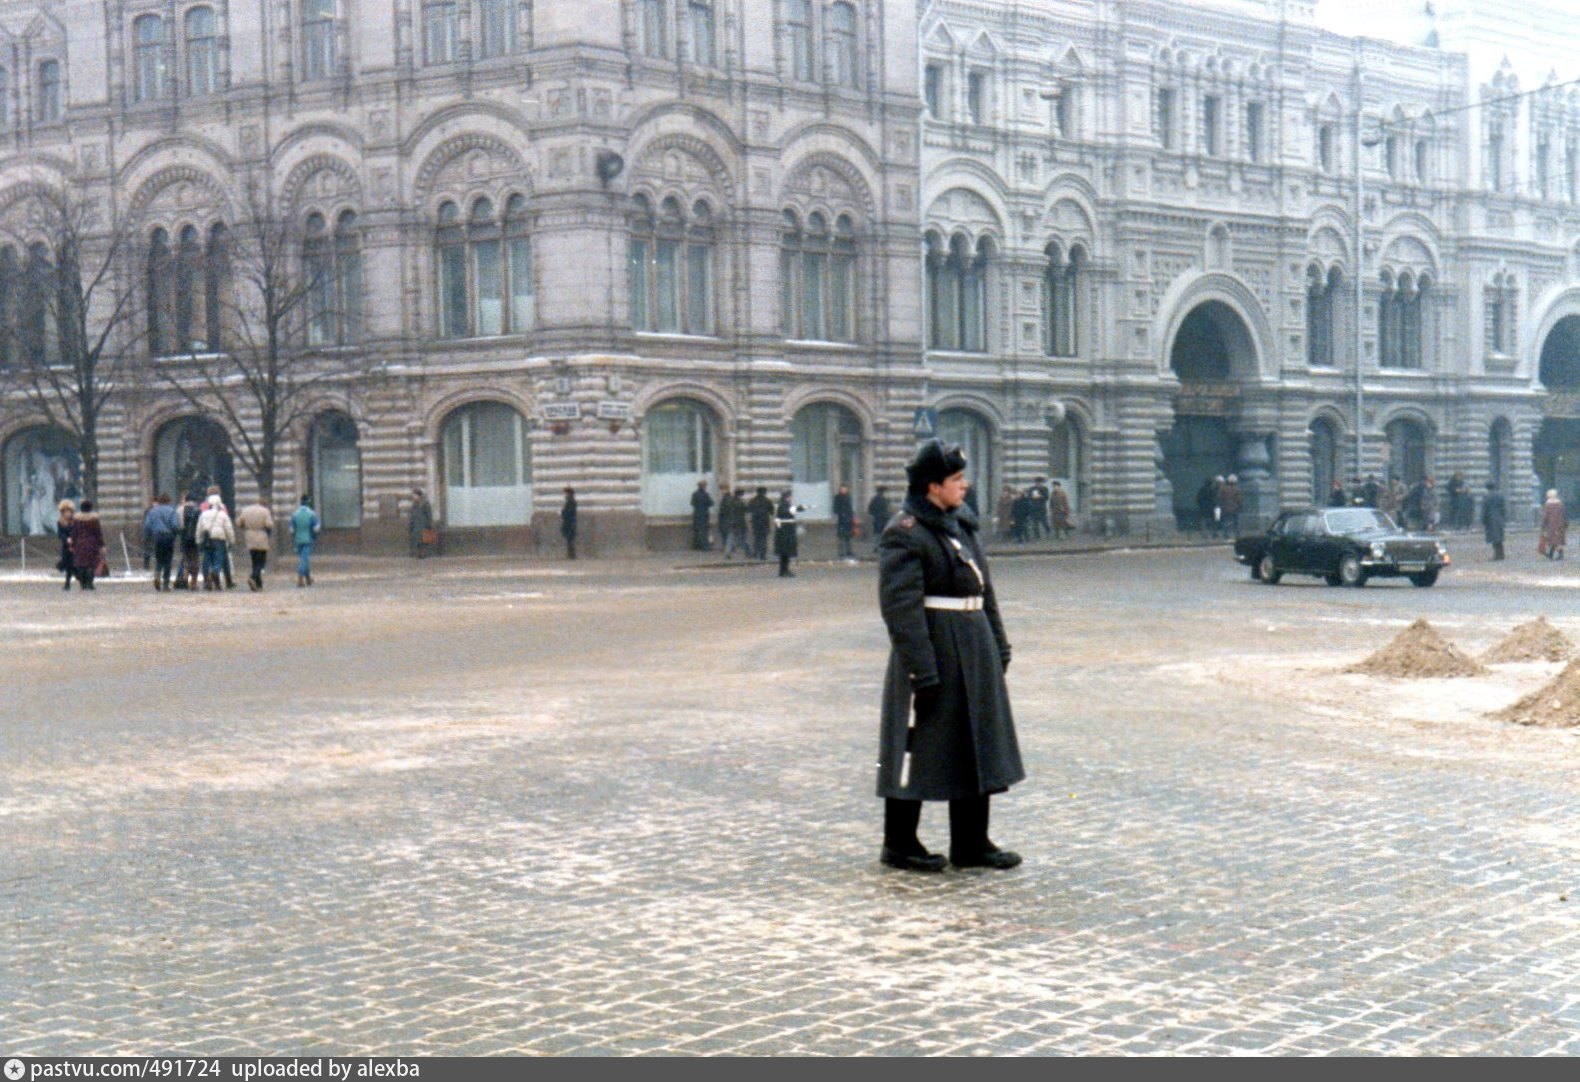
(102, 570)
(428, 537)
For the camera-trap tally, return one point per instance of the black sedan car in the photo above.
(1344, 545)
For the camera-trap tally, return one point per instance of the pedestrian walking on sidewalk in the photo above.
(87, 545)
(305, 525)
(879, 512)
(1059, 511)
(844, 521)
(701, 503)
(1555, 527)
(66, 514)
(947, 732)
(186, 578)
(421, 536)
(761, 510)
(161, 528)
(568, 522)
(216, 534)
(257, 533)
(1494, 516)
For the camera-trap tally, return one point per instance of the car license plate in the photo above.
(1412, 567)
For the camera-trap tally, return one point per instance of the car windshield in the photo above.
(1357, 520)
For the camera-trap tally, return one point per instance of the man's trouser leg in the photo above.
(900, 820)
(968, 827)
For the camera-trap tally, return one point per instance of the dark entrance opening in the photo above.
(190, 454)
(1211, 349)
(1555, 453)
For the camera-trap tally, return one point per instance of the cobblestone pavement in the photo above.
(483, 807)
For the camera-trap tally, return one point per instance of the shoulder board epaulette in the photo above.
(906, 521)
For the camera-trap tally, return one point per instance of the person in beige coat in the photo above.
(216, 534)
(257, 533)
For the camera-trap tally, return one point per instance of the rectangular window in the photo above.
(441, 32)
(787, 293)
(1495, 161)
(452, 291)
(641, 314)
(1325, 148)
(1163, 121)
(842, 45)
(655, 42)
(1064, 112)
(318, 39)
(933, 90)
(350, 260)
(1391, 156)
(523, 293)
(699, 289)
(976, 97)
(842, 299)
(668, 286)
(1423, 161)
(802, 63)
(813, 269)
(702, 33)
(1572, 172)
(1253, 131)
(497, 35)
(49, 91)
(320, 297)
(148, 76)
(490, 289)
(1209, 125)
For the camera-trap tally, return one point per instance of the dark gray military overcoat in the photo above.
(964, 743)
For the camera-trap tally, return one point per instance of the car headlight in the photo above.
(1378, 550)
(1442, 550)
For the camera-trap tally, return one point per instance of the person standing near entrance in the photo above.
(1494, 516)
(67, 512)
(1230, 501)
(700, 504)
(420, 533)
(257, 532)
(1059, 511)
(568, 522)
(305, 525)
(947, 731)
(1207, 505)
(761, 510)
(1555, 528)
(87, 544)
(787, 545)
(879, 512)
(844, 521)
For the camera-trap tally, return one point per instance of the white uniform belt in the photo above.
(959, 604)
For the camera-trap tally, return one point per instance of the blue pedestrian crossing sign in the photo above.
(925, 424)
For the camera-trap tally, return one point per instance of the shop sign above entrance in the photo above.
(1203, 399)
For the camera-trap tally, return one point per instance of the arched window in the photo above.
(1324, 460)
(160, 297)
(1067, 460)
(973, 292)
(189, 264)
(844, 59)
(202, 43)
(1061, 289)
(11, 289)
(49, 106)
(497, 28)
(319, 50)
(39, 331)
(335, 464)
(652, 29)
(1322, 293)
(1502, 310)
(1407, 450)
(487, 466)
(1388, 334)
(817, 267)
(701, 32)
(441, 31)
(42, 467)
(1413, 324)
(671, 267)
(825, 452)
(485, 270)
(216, 283)
(803, 63)
(148, 58)
(192, 453)
(678, 451)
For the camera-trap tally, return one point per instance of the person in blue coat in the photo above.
(161, 527)
(305, 525)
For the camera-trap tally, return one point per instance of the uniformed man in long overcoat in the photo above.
(947, 731)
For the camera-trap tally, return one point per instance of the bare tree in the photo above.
(284, 305)
(68, 308)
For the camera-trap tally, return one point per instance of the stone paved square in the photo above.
(624, 808)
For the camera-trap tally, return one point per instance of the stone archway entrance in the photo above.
(1211, 353)
(1555, 454)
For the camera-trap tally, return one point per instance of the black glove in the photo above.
(926, 699)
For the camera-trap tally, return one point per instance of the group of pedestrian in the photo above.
(1038, 510)
(1219, 501)
(81, 544)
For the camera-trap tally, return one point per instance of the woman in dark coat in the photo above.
(87, 544)
(947, 663)
(786, 545)
(1494, 514)
(68, 512)
(568, 522)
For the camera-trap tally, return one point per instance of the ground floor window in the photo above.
(1067, 460)
(41, 469)
(677, 452)
(975, 437)
(825, 452)
(190, 455)
(336, 466)
(1407, 451)
(487, 467)
(1324, 461)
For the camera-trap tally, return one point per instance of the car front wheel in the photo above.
(1270, 573)
(1424, 579)
(1350, 571)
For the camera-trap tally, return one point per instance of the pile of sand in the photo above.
(1556, 706)
(1535, 640)
(1418, 650)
